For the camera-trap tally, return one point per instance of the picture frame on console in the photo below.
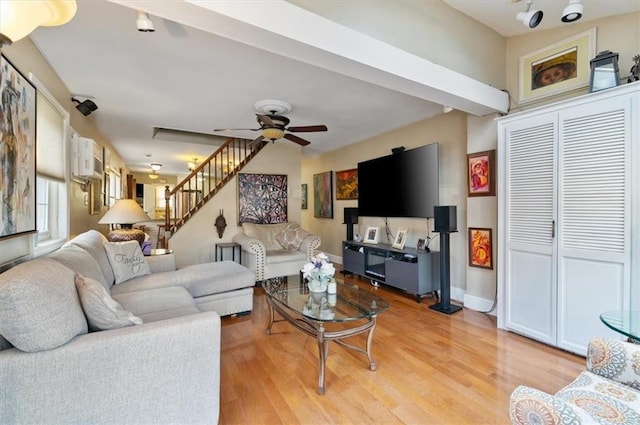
(401, 238)
(372, 235)
(421, 245)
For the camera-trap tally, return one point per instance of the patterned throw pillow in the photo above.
(102, 311)
(291, 236)
(127, 260)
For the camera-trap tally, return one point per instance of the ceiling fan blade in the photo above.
(264, 120)
(307, 128)
(236, 129)
(297, 139)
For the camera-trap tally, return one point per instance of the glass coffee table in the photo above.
(626, 322)
(326, 317)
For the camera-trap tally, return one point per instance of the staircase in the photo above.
(207, 179)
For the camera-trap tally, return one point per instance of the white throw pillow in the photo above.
(291, 237)
(102, 311)
(127, 260)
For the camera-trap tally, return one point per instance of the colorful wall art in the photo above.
(262, 198)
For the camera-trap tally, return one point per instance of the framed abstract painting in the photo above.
(480, 248)
(17, 152)
(481, 173)
(262, 198)
(323, 195)
(347, 184)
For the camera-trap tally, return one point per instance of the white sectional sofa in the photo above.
(158, 363)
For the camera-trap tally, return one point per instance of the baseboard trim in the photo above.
(479, 304)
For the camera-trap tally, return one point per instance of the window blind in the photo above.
(49, 140)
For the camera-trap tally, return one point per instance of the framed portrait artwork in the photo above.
(372, 235)
(17, 152)
(323, 195)
(401, 238)
(480, 248)
(555, 69)
(347, 184)
(303, 196)
(421, 245)
(481, 173)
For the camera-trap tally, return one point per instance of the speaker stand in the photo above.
(445, 306)
(349, 231)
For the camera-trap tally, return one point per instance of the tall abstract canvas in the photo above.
(323, 195)
(17, 152)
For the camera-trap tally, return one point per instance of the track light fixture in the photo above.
(143, 22)
(573, 11)
(86, 107)
(530, 18)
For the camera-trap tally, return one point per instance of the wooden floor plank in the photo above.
(433, 368)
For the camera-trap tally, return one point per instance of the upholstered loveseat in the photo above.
(608, 392)
(272, 250)
(77, 348)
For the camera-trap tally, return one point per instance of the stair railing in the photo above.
(204, 181)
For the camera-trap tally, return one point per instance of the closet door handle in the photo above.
(553, 228)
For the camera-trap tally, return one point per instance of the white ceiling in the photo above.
(204, 69)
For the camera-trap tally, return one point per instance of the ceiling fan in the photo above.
(273, 124)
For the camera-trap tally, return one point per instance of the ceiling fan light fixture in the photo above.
(272, 133)
(530, 18)
(573, 11)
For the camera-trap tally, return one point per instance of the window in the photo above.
(51, 187)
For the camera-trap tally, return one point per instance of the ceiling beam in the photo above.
(288, 30)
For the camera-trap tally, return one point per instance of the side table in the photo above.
(220, 247)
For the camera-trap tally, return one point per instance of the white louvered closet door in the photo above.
(530, 267)
(593, 219)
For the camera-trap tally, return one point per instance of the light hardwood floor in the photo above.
(433, 368)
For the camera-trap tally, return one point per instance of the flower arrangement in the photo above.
(318, 271)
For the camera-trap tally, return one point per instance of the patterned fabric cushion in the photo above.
(291, 236)
(39, 305)
(606, 401)
(615, 360)
(127, 260)
(102, 311)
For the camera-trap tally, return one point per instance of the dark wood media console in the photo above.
(413, 271)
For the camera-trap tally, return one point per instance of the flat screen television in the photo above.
(404, 184)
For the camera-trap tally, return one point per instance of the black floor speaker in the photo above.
(445, 218)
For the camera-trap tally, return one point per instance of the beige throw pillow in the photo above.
(102, 311)
(127, 260)
(291, 236)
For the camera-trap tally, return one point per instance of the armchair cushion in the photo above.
(291, 236)
(605, 394)
(127, 260)
(265, 233)
(102, 311)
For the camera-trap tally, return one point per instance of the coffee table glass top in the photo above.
(627, 322)
(350, 303)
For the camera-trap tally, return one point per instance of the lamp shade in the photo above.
(124, 212)
(18, 17)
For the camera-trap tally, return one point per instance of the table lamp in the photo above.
(125, 212)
